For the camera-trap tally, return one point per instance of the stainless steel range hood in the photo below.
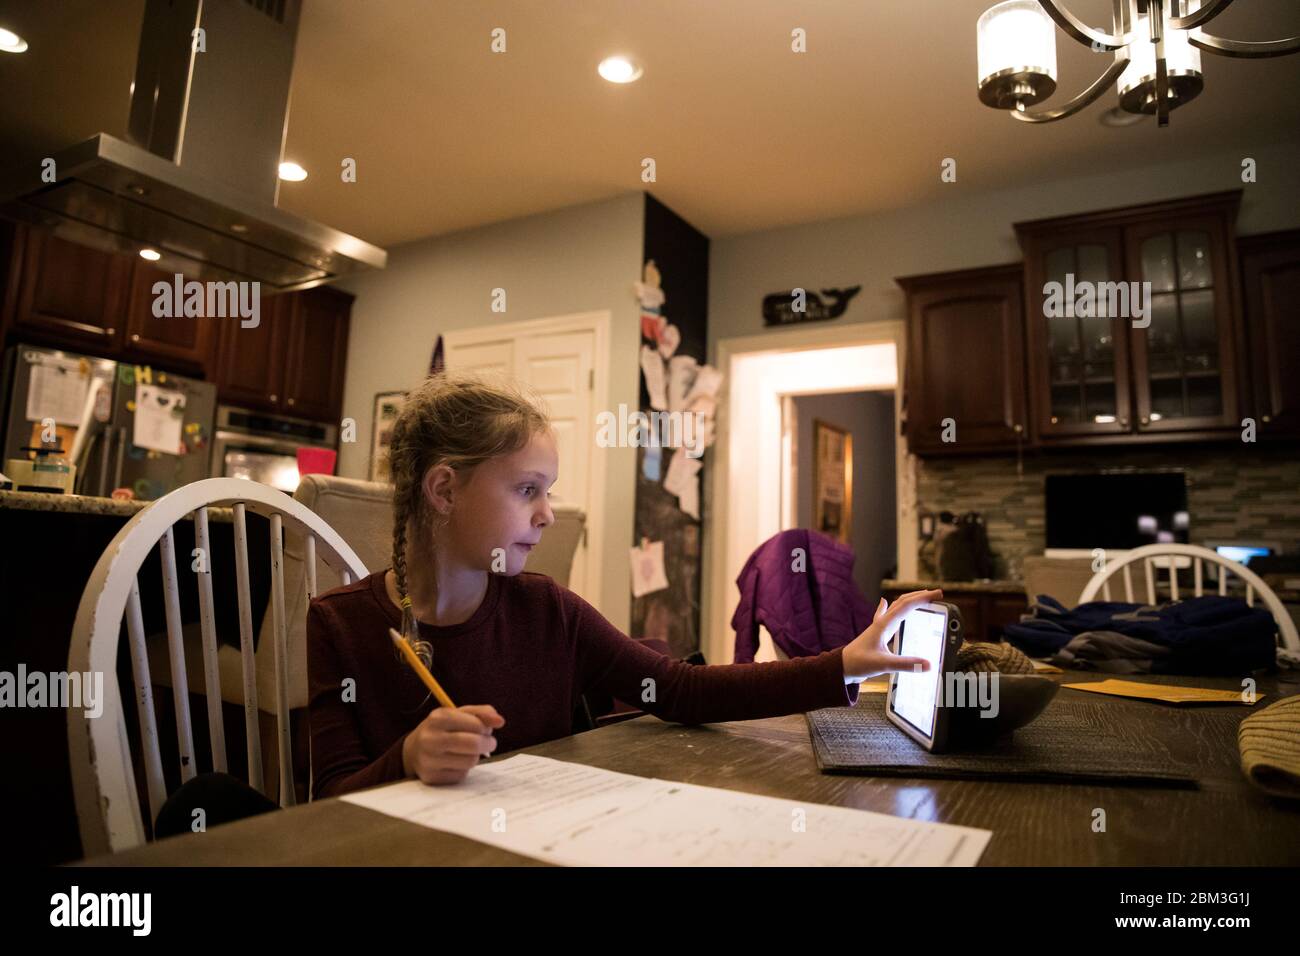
(199, 178)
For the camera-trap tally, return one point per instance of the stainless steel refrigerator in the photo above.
(122, 425)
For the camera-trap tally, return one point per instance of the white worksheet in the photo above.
(576, 815)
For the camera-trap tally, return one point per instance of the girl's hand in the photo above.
(449, 742)
(867, 654)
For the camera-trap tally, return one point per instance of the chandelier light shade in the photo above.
(1017, 54)
(1137, 84)
(1155, 45)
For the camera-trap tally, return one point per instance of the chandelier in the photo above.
(1156, 44)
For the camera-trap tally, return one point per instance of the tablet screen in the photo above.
(920, 635)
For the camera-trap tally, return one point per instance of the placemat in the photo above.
(1070, 741)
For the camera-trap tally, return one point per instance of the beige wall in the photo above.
(966, 231)
(579, 259)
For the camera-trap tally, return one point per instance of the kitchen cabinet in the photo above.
(293, 361)
(965, 377)
(180, 342)
(82, 299)
(317, 353)
(69, 295)
(249, 366)
(63, 295)
(1102, 369)
(1270, 280)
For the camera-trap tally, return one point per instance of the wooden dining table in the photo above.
(1225, 820)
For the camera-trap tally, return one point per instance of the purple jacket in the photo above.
(806, 612)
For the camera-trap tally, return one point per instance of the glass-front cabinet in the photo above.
(1184, 361)
(1130, 321)
(1078, 364)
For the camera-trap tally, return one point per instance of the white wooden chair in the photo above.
(103, 777)
(1149, 555)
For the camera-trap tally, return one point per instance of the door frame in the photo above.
(718, 599)
(597, 322)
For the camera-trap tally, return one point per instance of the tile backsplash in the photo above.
(1241, 492)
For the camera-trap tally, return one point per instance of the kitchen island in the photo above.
(51, 543)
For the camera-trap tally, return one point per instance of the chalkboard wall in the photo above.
(681, 253)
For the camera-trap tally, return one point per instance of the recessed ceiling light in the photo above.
(11, 42)
(151, 254)
(619, 69)
(292, 172)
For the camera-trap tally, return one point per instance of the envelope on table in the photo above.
(1165, 693)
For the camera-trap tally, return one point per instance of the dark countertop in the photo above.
(86, 504)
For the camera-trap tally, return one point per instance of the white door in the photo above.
(560, 365)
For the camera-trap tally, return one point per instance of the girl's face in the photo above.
(499, 511)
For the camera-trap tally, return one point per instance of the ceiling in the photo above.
(745, 134)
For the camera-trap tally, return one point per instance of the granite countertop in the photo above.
(990, 585)
(86, 505)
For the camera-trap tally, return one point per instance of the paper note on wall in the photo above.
(57, 390)
(159, 416)
(681, 467)
(682, 370)
(652, 365)
(669, 338)
(707, 382)
(648, 569)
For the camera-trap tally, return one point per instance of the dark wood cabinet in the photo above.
(183, 343)
(62, 295)
(1185, 361)
(249, 366)
(294, 360)
(1270, 283)
(317, 353)
(1103, 369)
(965, 378)
(69, 295)
(1077, 365)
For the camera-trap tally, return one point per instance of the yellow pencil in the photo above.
(417, 665)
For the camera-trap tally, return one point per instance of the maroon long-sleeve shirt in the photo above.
(530, 650)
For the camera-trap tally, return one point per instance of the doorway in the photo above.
(839, 472)
(748, 499)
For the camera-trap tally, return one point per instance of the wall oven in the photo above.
(263, 447)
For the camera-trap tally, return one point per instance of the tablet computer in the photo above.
(915, 702)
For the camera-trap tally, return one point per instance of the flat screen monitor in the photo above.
(1116, 510)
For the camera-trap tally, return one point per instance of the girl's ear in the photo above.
(439, 486)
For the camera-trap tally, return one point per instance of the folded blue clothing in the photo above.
(1202, 635)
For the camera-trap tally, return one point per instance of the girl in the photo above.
(472, 462)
